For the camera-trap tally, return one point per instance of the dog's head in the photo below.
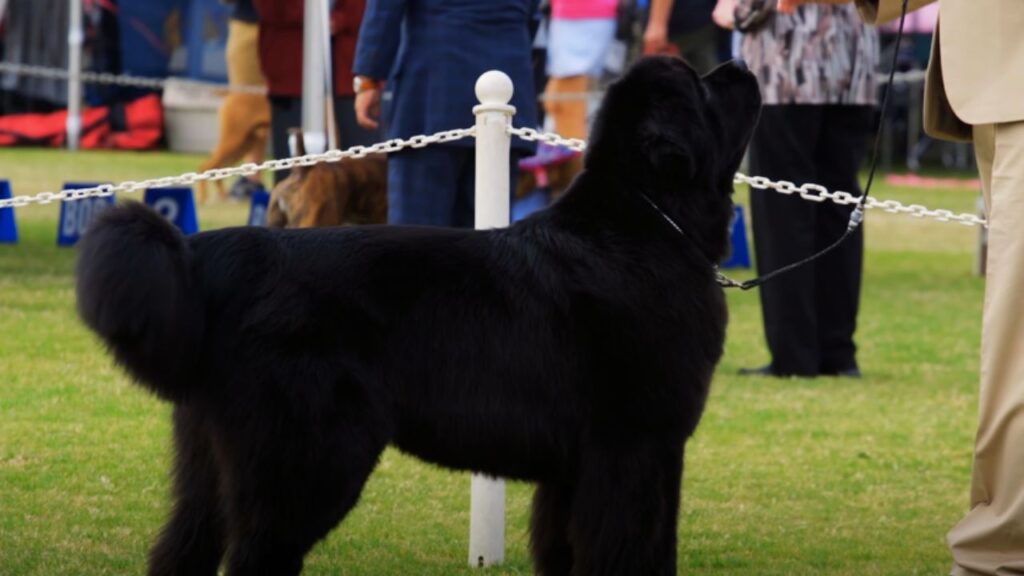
(682, 137)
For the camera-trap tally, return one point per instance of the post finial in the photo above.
(494, 88)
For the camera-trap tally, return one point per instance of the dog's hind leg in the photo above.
(276, 523)
(549, 530)
(625, 511)
(193, 541)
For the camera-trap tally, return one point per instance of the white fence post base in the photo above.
(486, 521)
(493, 198)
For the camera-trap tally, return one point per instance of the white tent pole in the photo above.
(313, 82)
(75, 38)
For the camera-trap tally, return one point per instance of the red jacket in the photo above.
(281, 43)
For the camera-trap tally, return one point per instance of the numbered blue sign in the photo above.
(740, 256)
(523, 207)
(176, 205)
(258, 211)
(76, 215)
(8, 227)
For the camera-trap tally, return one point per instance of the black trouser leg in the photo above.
(785, 231)
(810, 314)
(840, 154)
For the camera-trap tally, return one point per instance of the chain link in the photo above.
(531, 135)
(809, 192)
(191, 178)
(125, 79)
(818, 193)
(908, 77)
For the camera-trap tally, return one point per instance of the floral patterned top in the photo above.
(819, 54)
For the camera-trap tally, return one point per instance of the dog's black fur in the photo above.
(573, 349)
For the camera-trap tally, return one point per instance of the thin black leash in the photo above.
(856, 217)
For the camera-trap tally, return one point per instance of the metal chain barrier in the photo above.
(125, 79)
(531, 135)
(243, 170)
(908, 77)
(810, 192)
(911, 76)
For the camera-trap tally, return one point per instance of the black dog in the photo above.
(574, 349)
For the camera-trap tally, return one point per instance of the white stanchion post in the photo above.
(73, 125)
(493, 197)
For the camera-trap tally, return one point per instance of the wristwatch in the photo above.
(361, 84)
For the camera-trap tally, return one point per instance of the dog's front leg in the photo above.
(625, 511)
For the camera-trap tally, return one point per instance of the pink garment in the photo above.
(921, 21)
(583, 9)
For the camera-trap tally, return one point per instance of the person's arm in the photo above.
(376, 49)
(379, 37)
(656, 33)
(724, 14)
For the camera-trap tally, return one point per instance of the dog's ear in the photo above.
(298, 141)
(735, 100)
(277, 217)
(649, 121)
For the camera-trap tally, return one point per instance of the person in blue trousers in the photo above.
(428, 55)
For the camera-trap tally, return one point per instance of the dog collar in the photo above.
(722, 280)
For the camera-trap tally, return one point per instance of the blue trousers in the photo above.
(435, 185)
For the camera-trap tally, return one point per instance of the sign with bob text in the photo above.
(77, 215)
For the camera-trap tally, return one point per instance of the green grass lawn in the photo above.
(783, 477)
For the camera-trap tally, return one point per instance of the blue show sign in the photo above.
(260, 205)
(77, 215)
(8, 227)
(176, 205)
(740, 255)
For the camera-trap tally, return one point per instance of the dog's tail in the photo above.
(137, 291)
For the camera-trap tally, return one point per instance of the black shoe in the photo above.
(770, 371)
(849, 373)
(765, 370)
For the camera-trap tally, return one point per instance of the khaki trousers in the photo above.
(990, 538)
